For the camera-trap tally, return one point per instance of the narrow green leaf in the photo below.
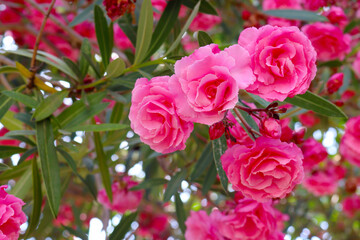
(10, 121)
(20, 133)
(123, 227)
(149, 183)
(4, 167)
(70, 161)
(164, 26)
(85, 14)
(115, 68)
(102, 35)
(20, 138)
(262, 102)
(74, 67)
(8, 69)
(292, 14)
(209, 180)
(24, 99)
(180, 212)
(77, 233)
(49, 105)
(116, 113)
(27, 154)
(174, 184)
(104, 169)
(8, 151)
(352, 25)
(83, 63)
(204, 39)
(205, 6)
(202, 163)
(219, 147)
(128, 29)
(184, 29)
(5, 104)
(15, 171)
(333, 63)
(317, 104)
(49, 164)
(23, 185)
(37, 199)
(144, 32)
(98, 127)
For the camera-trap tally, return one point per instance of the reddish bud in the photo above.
(347, 95)
(298, 136)
(335, 82)
(117, 8)
(271, 128)
(351, 185)
(339, 103)
(245, 15)
(216, 130)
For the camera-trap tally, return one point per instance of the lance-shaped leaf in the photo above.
(115, 68)
(49, 163)
(5, 104)
(149, 183)
(180, 212)
(98, 127)
(210, 179)
(102, 35)
(219, 147)
(8, 151)
(205, 6)
(202, 163)
(24, 99)
(204, 39)
(174, 184)
(317, 104)
(123, 227)
(144, 32)
(49, 105)
(292, 14)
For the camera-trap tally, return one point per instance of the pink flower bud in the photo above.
(117, 8)
(271, 128)
(335, 82)
(216, 130)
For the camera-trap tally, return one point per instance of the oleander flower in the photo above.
(207, 82)
(351, 205)
(154, 117)
(336, 15)
(204, 22)
(314, 153)
(11, 215)
(321, 183)
(123, 199)
(282, 59)
(328, 40)
(350, 141)
(268, 169)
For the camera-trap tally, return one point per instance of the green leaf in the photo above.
(77, 233)
(263, 103)
(128, 29)
(202, 163)
(104, 169)
(8, 151)
(21, 132)
(352, 25)
(102, 35)
(115, 68)
(210, 179)
(5, 104)
(20, 138)
(70, 161)
(98, 127)
(49, 164)
(49, 105)
(317, 104)
(10, 121)
(27, 154)
(37, 199)
(116, 113)
(164, 26)
(15, 171)
(123, 227)
(24, 99)
(144, 31)
(180, 212)
(219, 147)
(85, 14)
(292, 14)
(83, 63)
(205, 6)
(204, 39)
(4, 167)
(8, 69)
(184, 29)
(333, 63)
(74, 67)
(149, 183)
(23, 185)
(174, 184)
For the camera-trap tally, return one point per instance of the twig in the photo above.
(37, 43)
(247, 126)
(4, 82)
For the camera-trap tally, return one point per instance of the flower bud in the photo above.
(216, 130)
(271, 128)
(335, 82)
(117, 8)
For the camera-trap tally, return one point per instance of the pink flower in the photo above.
(86, 29)
(351, 205)
(314, 4)
(251, 220)
(309, 119)
(350, 142)
(336, 15)
(200, 226)
(282, 59)
(335, 82)
(356, 65)
(11, 215)
(204, 22)
(9, 16)
(65, 217)
(320, 183)
(154, 118)
(328, 40)
(314, 153)
(189, 44)
(269, 169)
(270, 128)
(123, 198)
(121, 40)
(207, 82)
(152, 224)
